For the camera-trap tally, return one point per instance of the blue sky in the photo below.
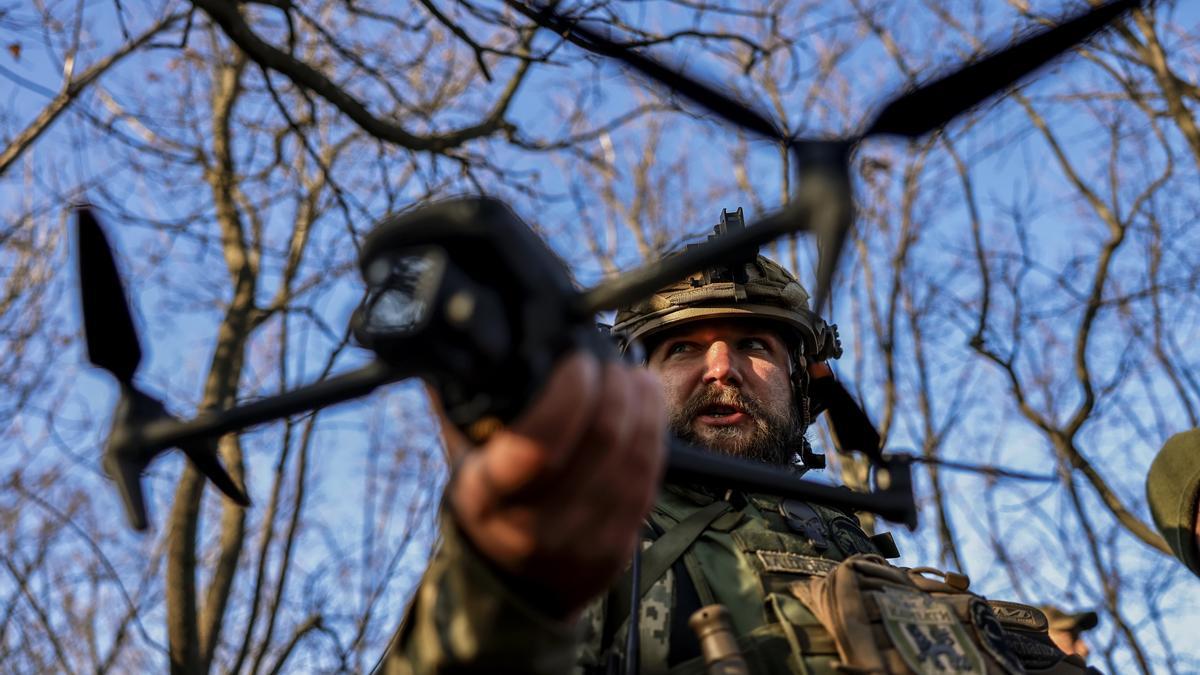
(173, 280)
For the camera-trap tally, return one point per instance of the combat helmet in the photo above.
(755, 288)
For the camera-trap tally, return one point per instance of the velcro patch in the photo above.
(850, 536)
(926, 633)
(991, 636)
(1016, 615)
(794, 563)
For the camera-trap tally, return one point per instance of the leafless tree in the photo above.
(1036, 329)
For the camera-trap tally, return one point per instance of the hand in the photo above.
(557, 499)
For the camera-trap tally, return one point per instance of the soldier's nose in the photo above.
(720, 365)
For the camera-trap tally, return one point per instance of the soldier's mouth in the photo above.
(721, 415)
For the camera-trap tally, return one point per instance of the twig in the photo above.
(228, 16)
(71, 90)
(986, 470)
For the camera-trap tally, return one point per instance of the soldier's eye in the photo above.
(753, 344)
(677, 348)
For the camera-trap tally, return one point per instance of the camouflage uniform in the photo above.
(774, 564)
(743, 555)
(466, 616)
(752, 547)
(771, 562)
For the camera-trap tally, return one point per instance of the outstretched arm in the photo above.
(537, 522)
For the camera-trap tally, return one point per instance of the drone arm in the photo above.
(166, 433)
(893, 500)
(823, 206)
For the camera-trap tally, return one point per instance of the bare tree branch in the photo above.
(229, 16)
(72, 88)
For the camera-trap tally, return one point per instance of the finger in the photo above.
(620, 480)
(649, 458)
(591, 526)
(595, 475)
(622, 504)
(652, 425)
(645, 457)
(544, 438)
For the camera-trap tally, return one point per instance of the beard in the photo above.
(773, 439)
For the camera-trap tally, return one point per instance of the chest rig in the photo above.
(808, 592)
(740, 551)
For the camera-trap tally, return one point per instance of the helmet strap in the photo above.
(800, 381)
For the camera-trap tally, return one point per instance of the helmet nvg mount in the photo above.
(757, 288)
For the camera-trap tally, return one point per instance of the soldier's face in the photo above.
(728, 387)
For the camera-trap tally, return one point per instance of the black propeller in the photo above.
(113, 345)
(851, 428)
(112, 341)
(927, 107)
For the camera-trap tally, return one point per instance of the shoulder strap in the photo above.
(663, 553)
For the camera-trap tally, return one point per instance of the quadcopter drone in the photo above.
(464, 295)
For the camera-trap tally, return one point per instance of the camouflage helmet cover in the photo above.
(764, 290)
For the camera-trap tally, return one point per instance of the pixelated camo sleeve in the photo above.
(463, 619)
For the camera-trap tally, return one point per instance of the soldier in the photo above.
(1173, 492)
(541, 521)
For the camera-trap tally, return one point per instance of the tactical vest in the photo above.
(777, 566)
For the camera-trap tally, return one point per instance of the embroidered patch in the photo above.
(794, 563)
(803, 519)
(991, 636)
(850, 537)
(1019, 616)
(925, 631)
